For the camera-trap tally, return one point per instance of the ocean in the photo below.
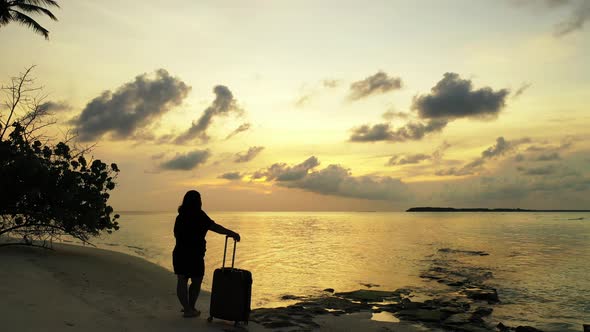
(540, 261)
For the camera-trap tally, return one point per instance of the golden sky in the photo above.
(331, 105)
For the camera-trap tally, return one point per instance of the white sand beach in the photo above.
(74, 288)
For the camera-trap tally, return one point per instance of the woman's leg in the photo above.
(182, 292)
(193, 291)
(196, 280)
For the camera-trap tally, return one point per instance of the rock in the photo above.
(318, 311)
(295, 308)
(403, 291)
(307, 322)
(319, 305)
(391, 308)
(470, 328)
(365, 295)
(432, 276)
(502, 327)
(329, 290)
(452, 310)
(369, 285)
(527, 329)
(460, 319)
(482, 294)
(290, 297)
(483, 311)
(586, 327)
(466, 252)
(422, 315)
(407, 304)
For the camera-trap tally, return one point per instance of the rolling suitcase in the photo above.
(231, 292)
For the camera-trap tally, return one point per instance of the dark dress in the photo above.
(189, 253)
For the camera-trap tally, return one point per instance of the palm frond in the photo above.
(29, 22)
(48, 3)
(5, 18)
(36, 9)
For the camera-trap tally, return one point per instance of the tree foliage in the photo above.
(48, 190)
(19, 11)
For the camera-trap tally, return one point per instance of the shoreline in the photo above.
(81, 288)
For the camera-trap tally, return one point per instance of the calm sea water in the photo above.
(540, 261)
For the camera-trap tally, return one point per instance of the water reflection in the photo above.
(540, 261)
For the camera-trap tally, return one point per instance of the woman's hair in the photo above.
(191, 202)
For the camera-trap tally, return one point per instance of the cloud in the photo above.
(501, 148)
(521, 90)
(450, 99)
(542, 170)
(186, 161)
(243, 127)
(578, 18)
(545, 3)
(375, 133)
(307, 96)
(536, 148)
(548, 156)
(417, 130)
(406, 160)
(330, 83)
(223, 105)
(548, 147)
(51, 106)
(158, 156)
(384, 132)
(283, 172)
(390, 115)
(335, 180)
(453, 98)
(231, 176)
(303, 100)
(540, 191)
(338, 181)
(439, 152)
(548, 151)
(248, 155)
(376, 84)
(436, 157)
(579, 13)
(133, 106)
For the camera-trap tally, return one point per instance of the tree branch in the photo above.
(16, 89)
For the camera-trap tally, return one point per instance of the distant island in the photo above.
(450, 209)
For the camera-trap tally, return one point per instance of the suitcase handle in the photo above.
(233, 257)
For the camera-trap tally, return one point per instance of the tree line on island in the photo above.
(450, 209)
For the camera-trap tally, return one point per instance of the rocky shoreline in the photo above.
(466, 303)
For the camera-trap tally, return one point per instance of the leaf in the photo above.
(29, 22)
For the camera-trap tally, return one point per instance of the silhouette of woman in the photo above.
(190, 229)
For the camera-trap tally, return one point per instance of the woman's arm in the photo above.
(217, 228)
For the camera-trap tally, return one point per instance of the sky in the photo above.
(322, 105)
